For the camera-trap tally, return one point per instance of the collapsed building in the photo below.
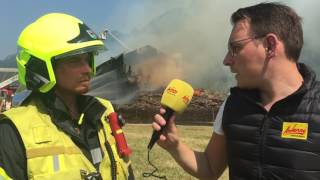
(120, 78)
(134, 83)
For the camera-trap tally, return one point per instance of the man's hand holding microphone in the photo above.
(175, 98)
(169, 139)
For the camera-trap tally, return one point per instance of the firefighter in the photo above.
(58, 132)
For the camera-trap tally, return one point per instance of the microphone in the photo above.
(175, 98)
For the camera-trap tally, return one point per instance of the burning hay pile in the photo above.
(201, 110)
(134, 83)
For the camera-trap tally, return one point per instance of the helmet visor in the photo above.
(91, 49)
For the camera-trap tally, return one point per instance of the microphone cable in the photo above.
(155, 169)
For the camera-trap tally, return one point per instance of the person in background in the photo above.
(269, 125)
(58, 132)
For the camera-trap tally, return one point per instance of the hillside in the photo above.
(9, 61)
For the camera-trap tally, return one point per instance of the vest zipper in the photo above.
(262, 144)
(262, 132)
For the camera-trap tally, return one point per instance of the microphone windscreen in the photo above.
(177, 95)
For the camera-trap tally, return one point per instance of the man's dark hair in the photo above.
(275, 18)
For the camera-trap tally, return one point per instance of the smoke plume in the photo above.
(198, 31)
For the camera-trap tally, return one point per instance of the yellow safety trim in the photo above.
(107, 104)
(81, 119)
(3, 175)
(50, 151)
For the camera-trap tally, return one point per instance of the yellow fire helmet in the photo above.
(50, 38)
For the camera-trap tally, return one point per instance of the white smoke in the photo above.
(199, 30)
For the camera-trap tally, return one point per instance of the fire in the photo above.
(198, 92)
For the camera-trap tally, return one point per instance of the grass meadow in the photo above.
(138, 136)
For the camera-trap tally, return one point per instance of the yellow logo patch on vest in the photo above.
(294, 130)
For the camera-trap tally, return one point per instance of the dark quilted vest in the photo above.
(255, 148)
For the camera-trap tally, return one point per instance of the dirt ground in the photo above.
(203, 107)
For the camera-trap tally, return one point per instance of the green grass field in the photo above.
(138, 136)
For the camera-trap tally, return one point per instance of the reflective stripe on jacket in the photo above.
(51, 154)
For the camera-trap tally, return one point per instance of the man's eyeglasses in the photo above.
(234, 47)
